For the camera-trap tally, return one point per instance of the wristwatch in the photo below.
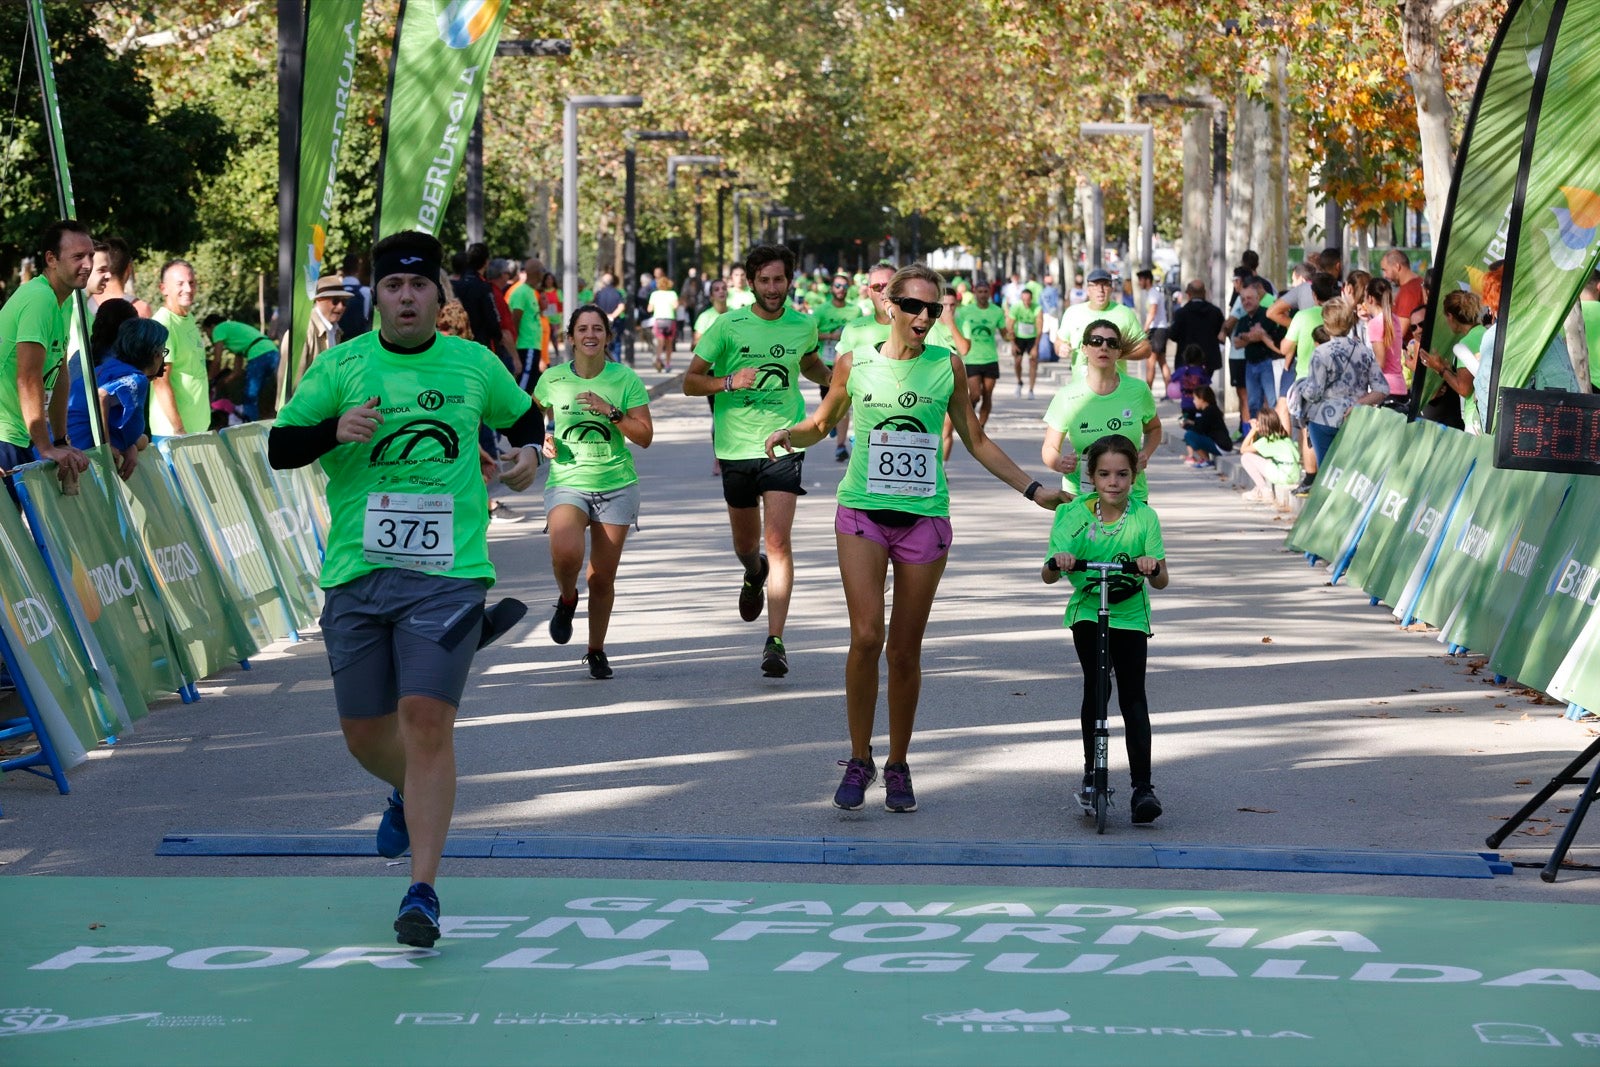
(615, 415)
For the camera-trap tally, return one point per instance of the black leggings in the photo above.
(1129, 650)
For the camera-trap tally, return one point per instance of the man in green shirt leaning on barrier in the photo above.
(393, 416)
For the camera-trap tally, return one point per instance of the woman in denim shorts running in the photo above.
(594, 408)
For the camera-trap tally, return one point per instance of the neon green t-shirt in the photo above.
(591, 453)
(427, 447)
(862, 332)
(186, 373)
(707, 317)
(524, 299)
(1085, 416)
(1300, 328)
(1025, 321)
(1076, 530)
(1283, 454)
(891, 396)
(745, 418)
(831, 319)
(664, 304)
(740, 298)
(242, 340)
(32, 314)
(1076, 319)
(981, 326)
(940, 335)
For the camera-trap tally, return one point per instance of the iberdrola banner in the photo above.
(1556, 216)
(1527, 185)
(78, 319)
(330, 68)
(441, 62)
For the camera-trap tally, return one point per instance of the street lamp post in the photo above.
(538, 48)
(1146, 132)
(630, 233)
(722, 201)
(673, 163)
(739, 195)
(569, 186)
(1219, 175)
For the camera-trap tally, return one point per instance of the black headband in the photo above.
(406, 261)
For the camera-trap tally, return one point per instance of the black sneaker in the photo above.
(897, 794)
(774, 661)
(1146, 808)
(418, 921)
(841, 454)
(753, 594)
(599, 666)
(1304, 488)
(852, 792)
(561, 621)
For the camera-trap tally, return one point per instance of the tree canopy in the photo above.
(856, 114)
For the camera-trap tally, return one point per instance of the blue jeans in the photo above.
(257, 373)
(1321, 438)
(1260, 389)
(1201, 443)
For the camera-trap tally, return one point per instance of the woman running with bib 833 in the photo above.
(894, 507)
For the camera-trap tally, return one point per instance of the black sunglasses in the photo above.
(914, 307)
(1098, 341)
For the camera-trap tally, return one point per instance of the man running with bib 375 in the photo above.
(750, 362)
(393, 416)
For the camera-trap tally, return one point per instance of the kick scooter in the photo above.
(1097, 801)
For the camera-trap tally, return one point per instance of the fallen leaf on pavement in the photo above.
(97, 926)
(1535, 831)
(1499, 705)
(1374, 715)
(1261, 811)
(1523, 781)
(1021, 693)
(1445, 709)
(1266, 640)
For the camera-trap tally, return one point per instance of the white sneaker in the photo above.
(1019, 388)
(1030, 394)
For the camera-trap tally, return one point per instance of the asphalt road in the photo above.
(1287, 713)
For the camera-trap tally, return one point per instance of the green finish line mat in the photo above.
(305, 970)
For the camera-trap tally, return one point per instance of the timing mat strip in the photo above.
(862, 852)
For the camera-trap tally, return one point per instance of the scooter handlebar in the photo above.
(1109, 567)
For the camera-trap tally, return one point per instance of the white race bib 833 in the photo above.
(902, 463)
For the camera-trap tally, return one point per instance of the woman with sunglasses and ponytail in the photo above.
(894, 508)
(1098, 402)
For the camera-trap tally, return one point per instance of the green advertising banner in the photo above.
(329, 66)
(1430, 497)
(100, 566)
(313, 488)
(72, 705)
(1557, 608)
(66, 202)
(441, 61)
(1484, 186)
(206, 628)
(554, 971)
(1464, 547)
(210, 483)
(1375, 552)
(276, 503)
(1514, 516)
(1556, 215)
(1348, 482)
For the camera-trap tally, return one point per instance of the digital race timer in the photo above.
(1548, 430)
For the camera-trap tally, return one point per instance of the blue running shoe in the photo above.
(393, 837)
(418, 922)
(852, 792)
(897, 795)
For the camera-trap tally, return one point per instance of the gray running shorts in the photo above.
(393, 633)
(615, 507)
